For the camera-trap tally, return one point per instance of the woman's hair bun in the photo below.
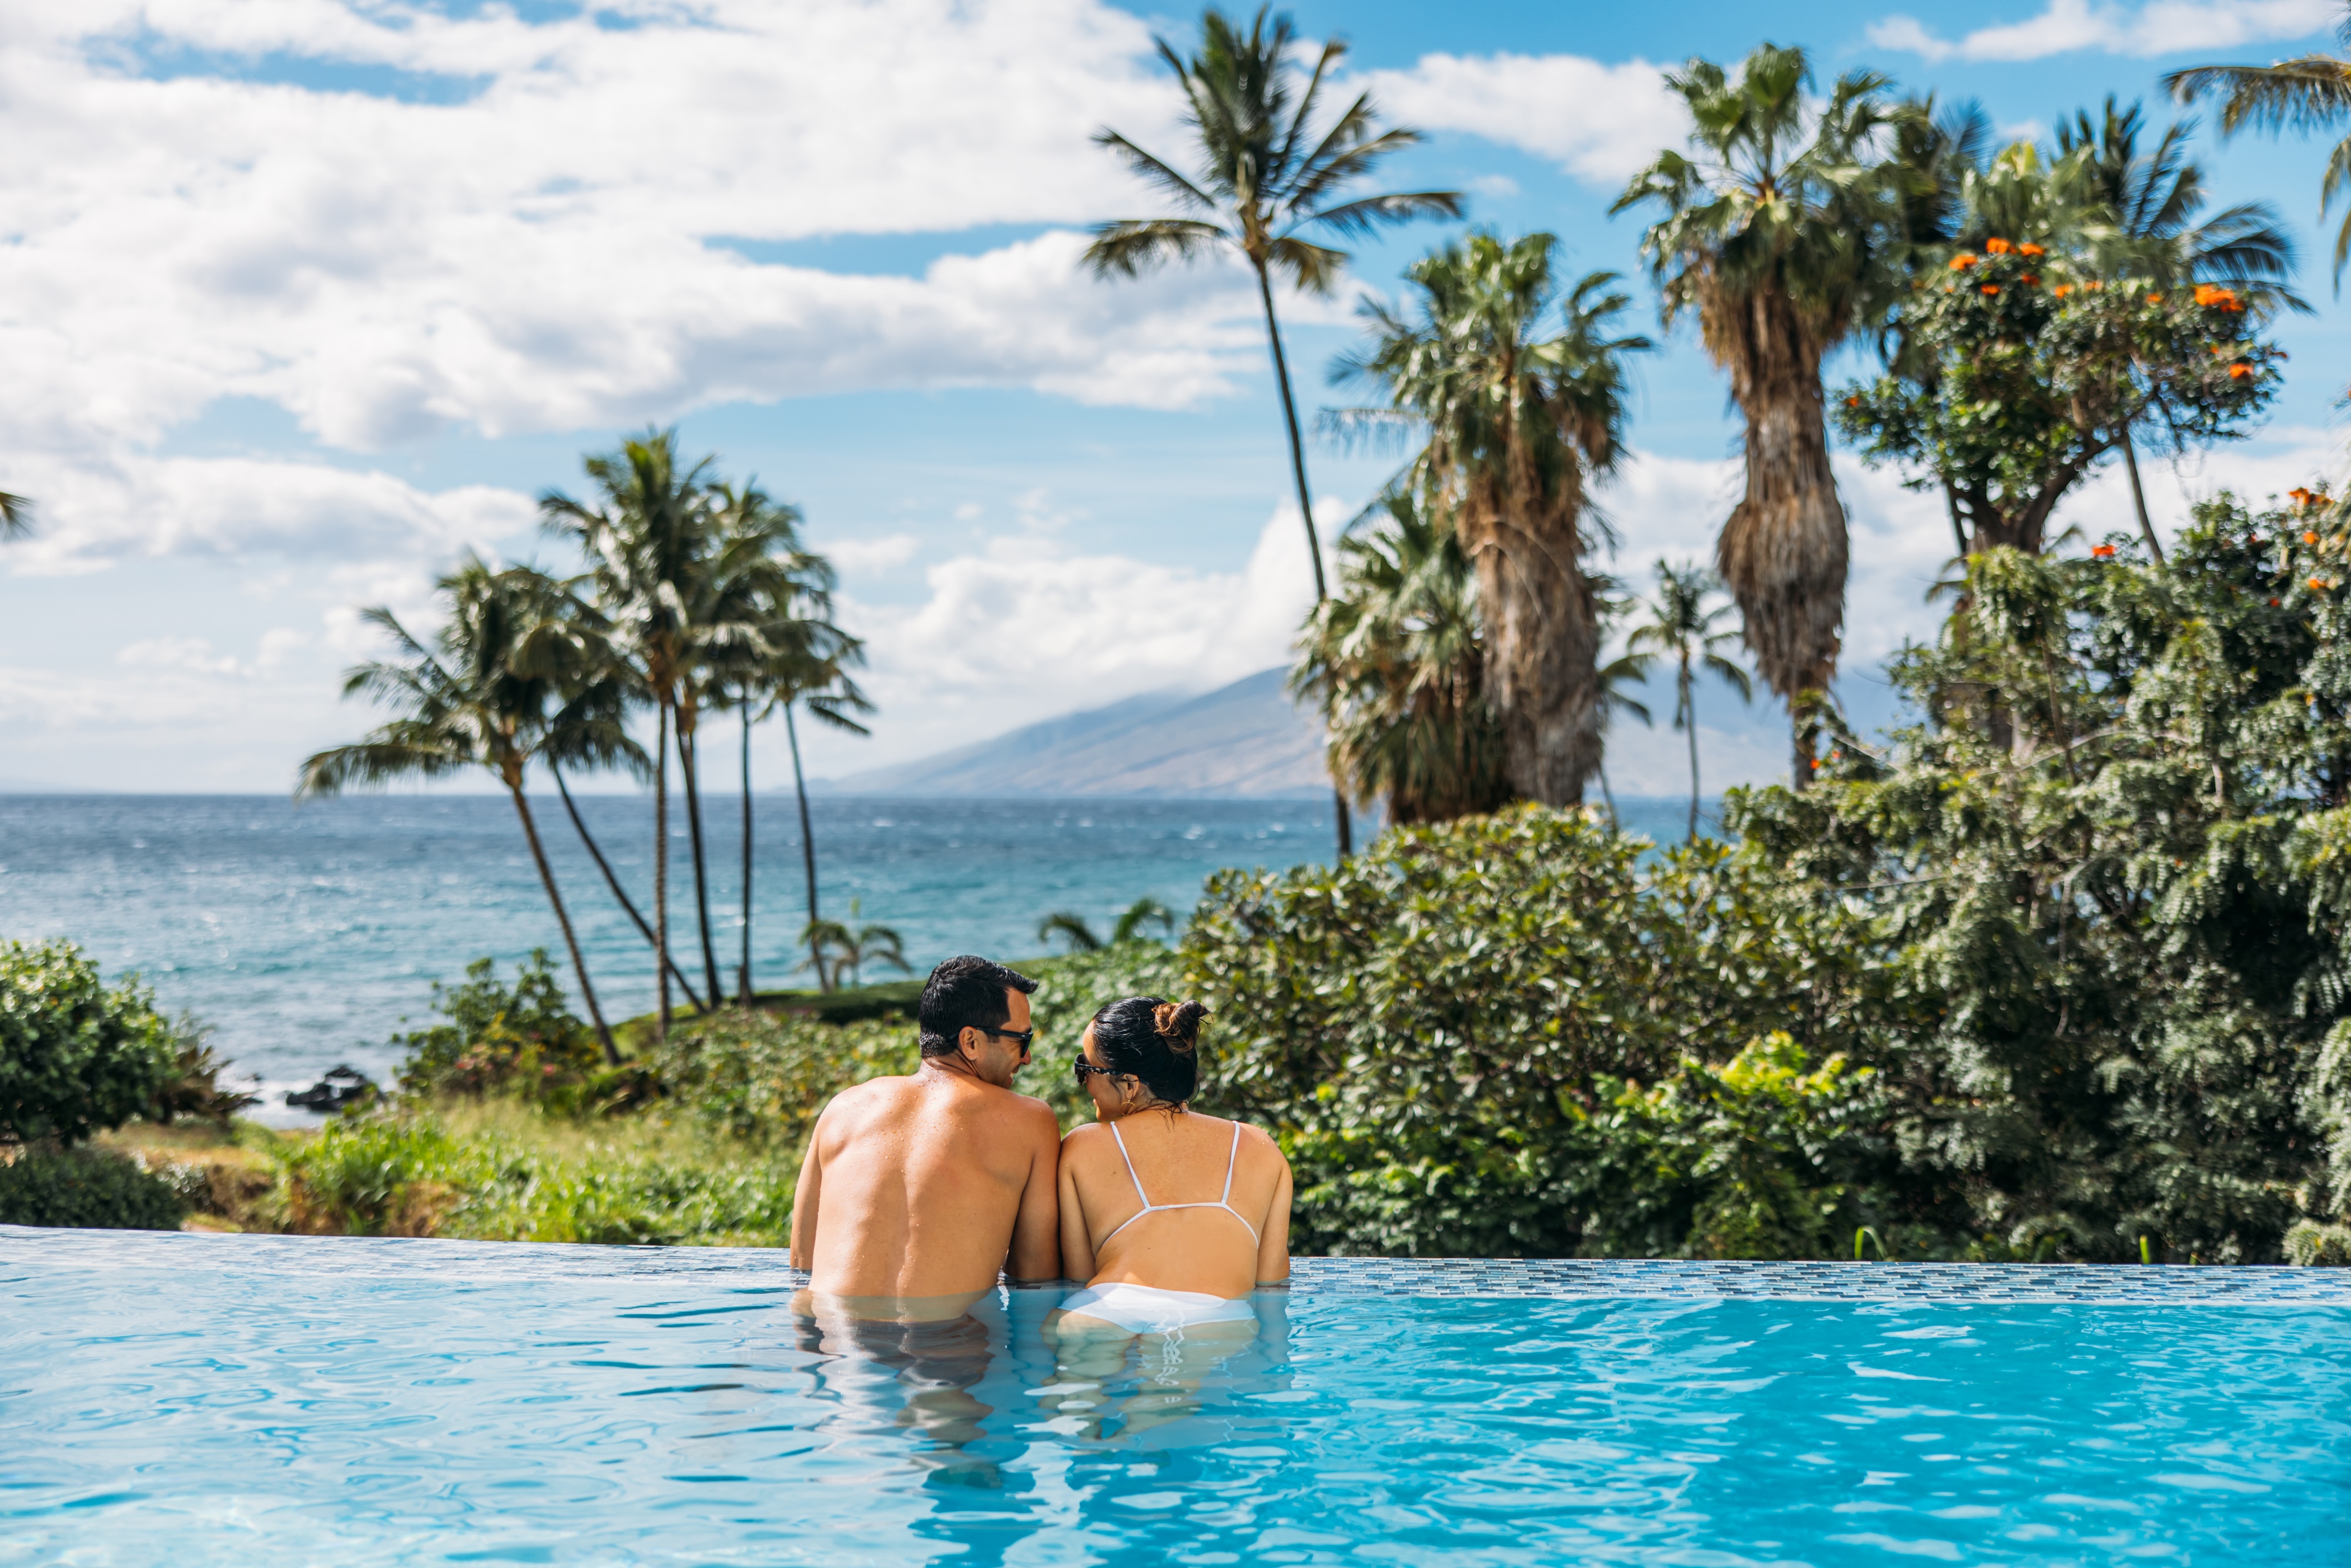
(1179, 1022)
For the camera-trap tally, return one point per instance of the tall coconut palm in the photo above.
(1395, 663)
(1620, 678)
(1265, 177)
(2311, 92)
(1522, 394)
(480, 697)
(643, 544)
(1773, 229)
(1682, 630)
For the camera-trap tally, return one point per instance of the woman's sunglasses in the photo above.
(1085, 1068)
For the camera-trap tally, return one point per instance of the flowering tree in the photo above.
(2041, 369)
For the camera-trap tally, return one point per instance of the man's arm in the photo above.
(1037, 1233)
(805, 1196)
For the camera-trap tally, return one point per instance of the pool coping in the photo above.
(1457, 1278)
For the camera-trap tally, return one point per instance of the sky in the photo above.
(301, 299)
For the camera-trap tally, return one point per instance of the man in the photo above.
(916, 1191)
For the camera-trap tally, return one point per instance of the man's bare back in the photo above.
(920, 1189)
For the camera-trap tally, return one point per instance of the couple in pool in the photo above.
(916, 1192)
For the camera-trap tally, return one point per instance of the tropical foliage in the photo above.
(1776, 228)
(1519, 389)
(77, 1055)
(1396, 664)
(1271, 184)
(2311, 92)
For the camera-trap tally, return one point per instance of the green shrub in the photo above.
(76, 1055)
(2312, 1245)
(48, 1185)
(1452, 1033)
(499, 1040)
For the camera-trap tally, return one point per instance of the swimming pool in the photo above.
(267, 1400)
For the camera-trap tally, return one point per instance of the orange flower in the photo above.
(1998, 246)
(2302, 497)
(2102, 552)
(2317, 585)
(2030, 280)
(2094, 286)
(2309, 538)
(1991, 289)
(2239, 373)
(1962, 261)
(2028, 248)
(2062, 290)
(2208, 293)
(2155, 299)
(2274, 603)
(1853, 402)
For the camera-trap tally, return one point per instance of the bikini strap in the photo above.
(1231, 1160)
(1138, 1180)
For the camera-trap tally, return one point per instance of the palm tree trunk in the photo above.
(1543, 639)
(628, 906)
(1306, 512)
(1689, 723)
(1609, 796)
(688, 764)
(661, 864)
(743, 976)
(563, 918)
(807, 848)
(2138, 499)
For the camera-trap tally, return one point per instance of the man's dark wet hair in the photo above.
(965, 993)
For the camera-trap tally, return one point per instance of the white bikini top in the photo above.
(1150, 1208)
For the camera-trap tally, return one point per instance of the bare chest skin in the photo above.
(1179, 1159)
(915, 1190)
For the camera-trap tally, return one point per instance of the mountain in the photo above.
(1244, 740)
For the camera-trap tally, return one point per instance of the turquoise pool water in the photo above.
(171, 1400)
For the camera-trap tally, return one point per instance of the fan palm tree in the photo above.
(644, 544)
(1682, 630)
(2311, 92)
(1522, 394)
(1396, 664)
(1265, 177)
(480, 697)
(1773, 230)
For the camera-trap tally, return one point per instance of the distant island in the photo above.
(1246, 740)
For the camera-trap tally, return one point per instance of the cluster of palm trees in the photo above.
(698, 597)
(1459, 663)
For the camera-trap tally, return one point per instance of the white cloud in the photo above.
(2165, 26)
(868, 555)
(1601, 123)
(1026, 629)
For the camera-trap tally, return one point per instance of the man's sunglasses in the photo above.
(1023, 1035)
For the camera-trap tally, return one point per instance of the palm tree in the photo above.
(1773, 230)
(1071, 927)
(2311, 92)
(830, 944)
(643, 544)
(1523, 406)
(1142, 912)
(1265, 178)
(16, 517)
(479, 697)
(2147, 205)
(1618, 679)
(1396, 664)
(1682, 630)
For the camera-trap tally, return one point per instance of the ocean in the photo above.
(307, 935)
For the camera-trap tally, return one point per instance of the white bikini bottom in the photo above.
(1143, 1309)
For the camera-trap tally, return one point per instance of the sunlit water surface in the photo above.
(203, 1417)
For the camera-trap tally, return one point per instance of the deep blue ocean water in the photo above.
(305, 935)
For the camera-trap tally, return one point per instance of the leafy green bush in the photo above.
(76, 1055)
(48, 1185)
(1452, 1033)
(521, 1039)
(2110, 869)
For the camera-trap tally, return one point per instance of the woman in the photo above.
(1170, 1216)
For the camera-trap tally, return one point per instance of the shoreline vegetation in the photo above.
(2059, 970)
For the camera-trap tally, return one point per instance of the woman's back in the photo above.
(1176, 1201)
